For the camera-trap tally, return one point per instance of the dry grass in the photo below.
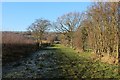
(15, 38)
(15, 46)
(109, 59)
(105, 58)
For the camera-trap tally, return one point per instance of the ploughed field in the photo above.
(58, 61)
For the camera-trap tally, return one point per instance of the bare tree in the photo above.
(38, 29)
(67, 24)
(81, 35)
(119, 33)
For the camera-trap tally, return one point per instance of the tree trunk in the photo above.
(119, 35)
(71, 42)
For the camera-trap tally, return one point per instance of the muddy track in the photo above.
(46, 63)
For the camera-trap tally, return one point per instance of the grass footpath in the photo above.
(58, 61)
(79, 65)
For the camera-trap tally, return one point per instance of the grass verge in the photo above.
(81, 66)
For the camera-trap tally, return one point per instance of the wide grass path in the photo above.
(59, 61)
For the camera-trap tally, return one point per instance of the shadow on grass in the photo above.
(13, 52)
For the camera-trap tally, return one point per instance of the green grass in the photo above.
(79, 65)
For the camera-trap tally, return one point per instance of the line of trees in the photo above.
(103, 19)
(96, 29)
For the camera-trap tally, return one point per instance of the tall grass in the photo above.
(15, 46)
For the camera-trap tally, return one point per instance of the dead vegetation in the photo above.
(15, 46)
